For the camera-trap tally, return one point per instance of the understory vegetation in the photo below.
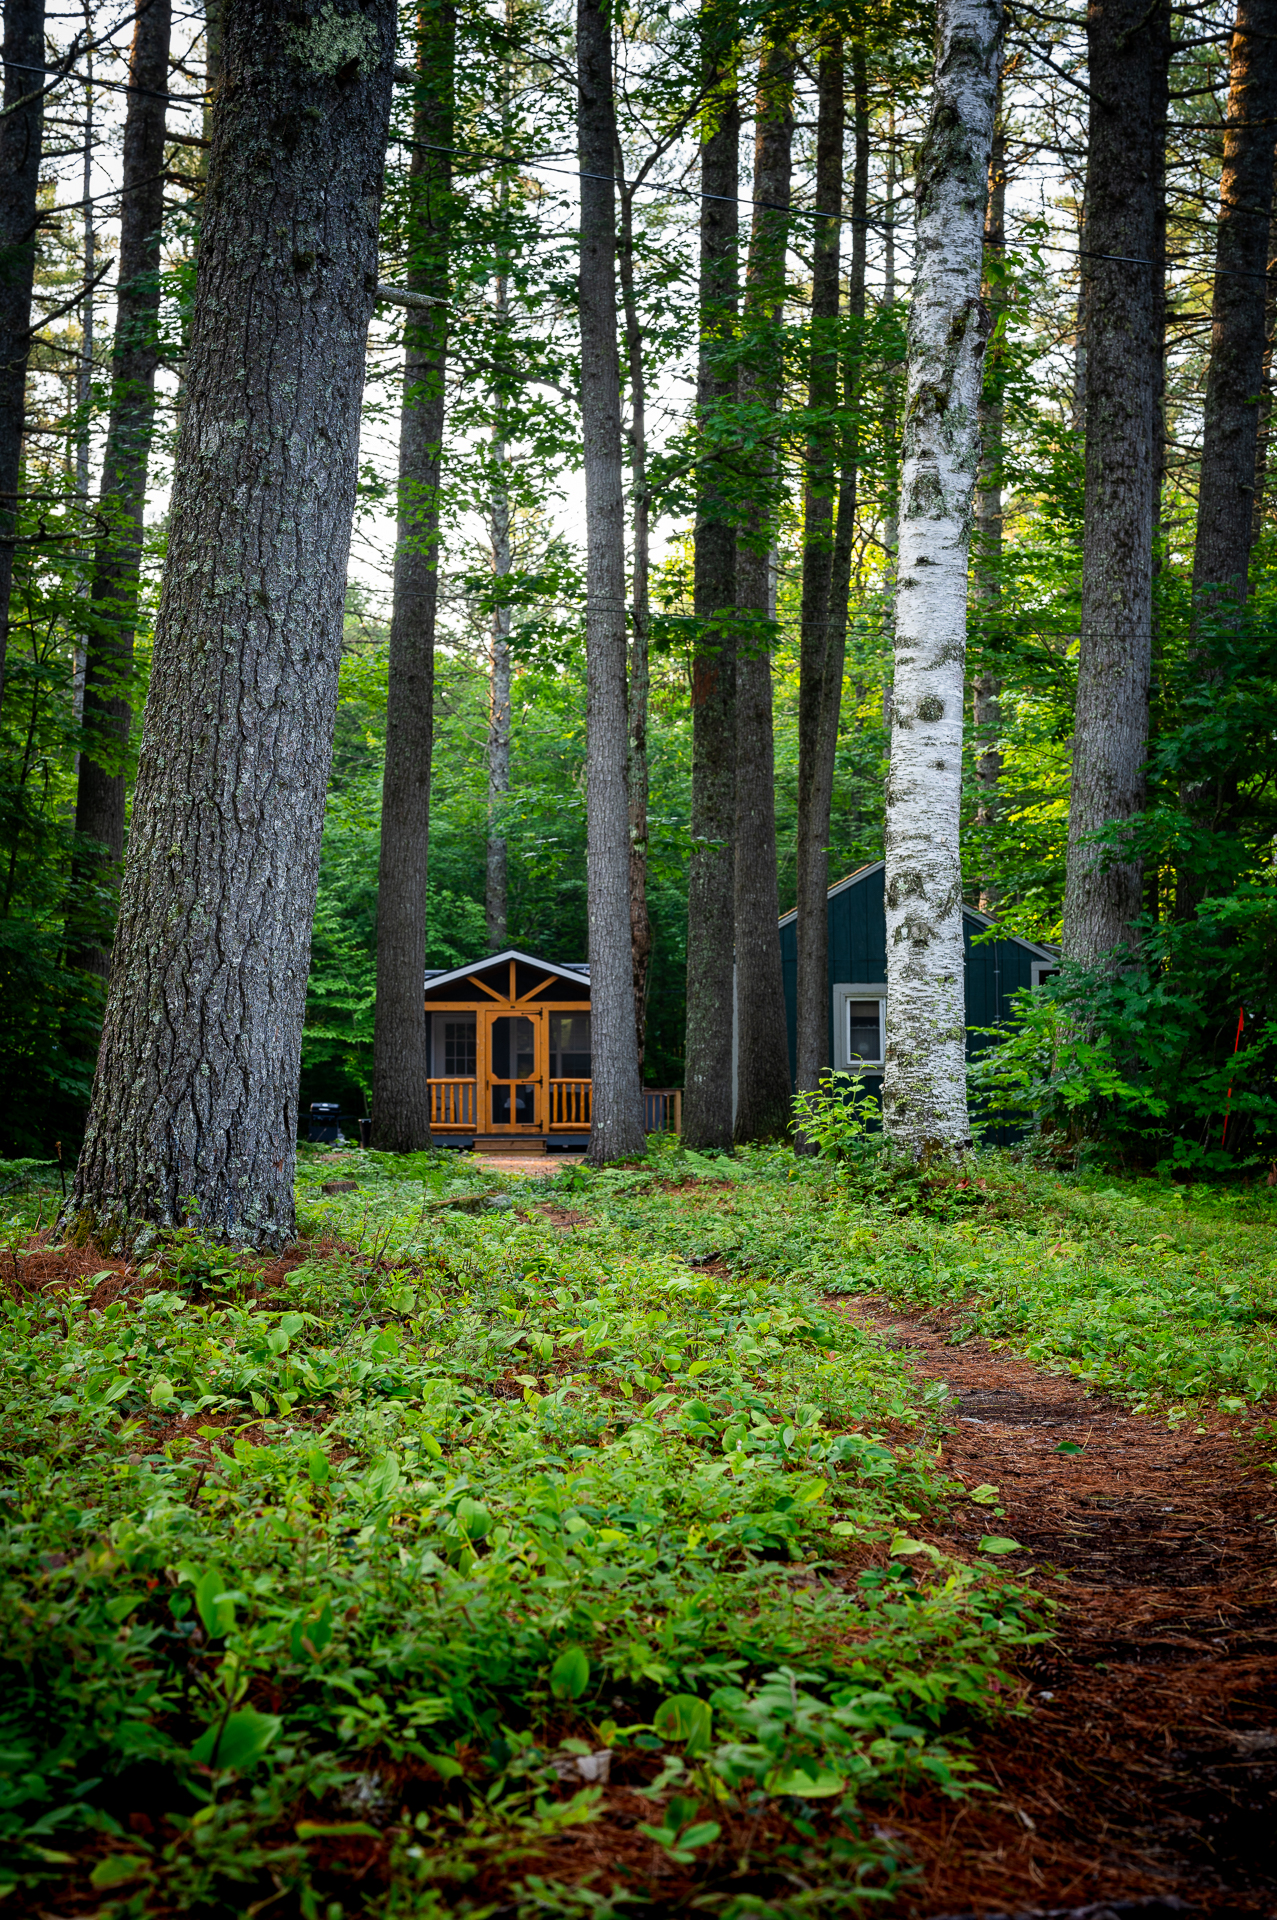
(569, 1547)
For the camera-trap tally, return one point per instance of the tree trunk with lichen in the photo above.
(194, 1110)
(925, 1095)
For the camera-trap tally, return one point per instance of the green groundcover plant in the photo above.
(412, 1544)
(361, 1581)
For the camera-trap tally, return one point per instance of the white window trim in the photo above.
(843, 991)
(1038, 967)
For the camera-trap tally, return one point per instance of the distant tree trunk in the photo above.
(401, 1052)
(762, 1055)
(1230, 426)
(617, 1097)
(925, 1096)
(824, 738)
(496, 888)
(819, 663)
(496, 894)
(987, 692)
(194, 1111)
(21, 133)
(707, 1097)
(640, 674)
(135, 357)
(1129, 51)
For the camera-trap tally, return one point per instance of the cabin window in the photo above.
(859, 1021)
(1043, 970)
(864, 1032)
(454, 1047)
(570, 1046)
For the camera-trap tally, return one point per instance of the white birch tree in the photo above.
(925, 1104)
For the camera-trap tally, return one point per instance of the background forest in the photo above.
(508, 774)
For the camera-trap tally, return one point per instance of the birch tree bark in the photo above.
(1129, 51)
(194, 1110)
(762, 1056)
(21, 136)
(135, 357)
(707, 1072)
(617, 1129)
(986, 705)
(925, 1102)
(401, 1058)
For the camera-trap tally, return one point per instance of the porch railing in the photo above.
(570, 1103)
(453, 1103)
(662, 1109)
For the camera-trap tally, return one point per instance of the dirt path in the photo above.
(1147, 1771)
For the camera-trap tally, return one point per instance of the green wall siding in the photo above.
(995, 969)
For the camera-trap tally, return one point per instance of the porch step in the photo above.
(509, 1143)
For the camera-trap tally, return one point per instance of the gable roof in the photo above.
(578, 971)
(982, 920)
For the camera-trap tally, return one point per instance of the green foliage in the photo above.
(839, 1118)
(1170, 1061)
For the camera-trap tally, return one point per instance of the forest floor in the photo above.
(743, 1537)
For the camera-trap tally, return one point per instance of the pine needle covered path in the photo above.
(1148, 1765)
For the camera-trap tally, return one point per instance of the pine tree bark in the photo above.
(925, 1100)
(617, 1129)
(640, 622)
(135, 358)
(817, 664)
(762, 1056)
(987, 572)
(707, 1072)
(21, 138)
(401, 1056)
(1129, 53)
(1230, 428)
(194, 1110)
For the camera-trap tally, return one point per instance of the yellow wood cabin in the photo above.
(510, 1059)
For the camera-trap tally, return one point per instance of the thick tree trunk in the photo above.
(401, 1055)
(640, 673)
(1234, 377)
(617, 1098)
(135, 356)
(817, 664)
(194, 1111)
(1129, 50)
(707, 1073)
(21, 132)
(925, 1095)
(987, 692)
(762, 1056)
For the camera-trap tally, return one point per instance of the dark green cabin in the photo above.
(858, 973)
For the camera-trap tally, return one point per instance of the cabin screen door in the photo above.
(515, 1050)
